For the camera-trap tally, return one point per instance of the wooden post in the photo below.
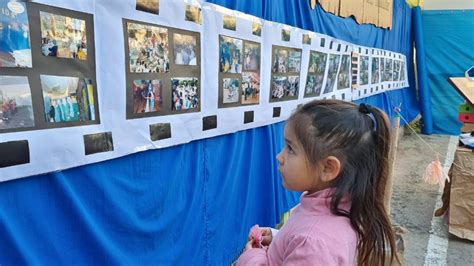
(393, 156)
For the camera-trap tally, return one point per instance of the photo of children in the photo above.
(230, 22)
(280, 60)
(63, 37)
(250, 88)
(317, 62)
(363, 70)
(285, 35)
(150, 6)
(293, 86)
(67, 99)
(334, 60)
(306, 39)
(15, 49)
(279, 85)
(184, 93)
(396, 70)
(343, 79)
(16, 109)
(148, 48)
(230, 54)
(294, 61)
(193, 14)
(375, 70)
(387, 73)
(184, 47)
(231, 88)
(251, 56)
(147, 96)
(257, 29)
(310, 87)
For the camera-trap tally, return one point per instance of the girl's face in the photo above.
(297, 173)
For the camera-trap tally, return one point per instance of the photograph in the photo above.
(280, 60)
(67, 99)
(382, 69)
(251, 56)
(250, 88)
(148, 48)
(185, 94)
(230, 22)
(63, 37)
(317, 62)
(279, 85)
(306, 39)
(396, 70)
(314, 83)
(99, 142)
(293, 86)
(150, 6)
(375, 70)
(402, 71)
(363, 70)
(16, 109)
(185, 49)
(294, 61)
(193, 14)
(387, 70)
(343, 79)
(334, 60)
(230, 90)
(147, 96)
(230, 54)
(285, 35)
(257, 29)
(15, 48)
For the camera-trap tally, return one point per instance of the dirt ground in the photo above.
(413, 203)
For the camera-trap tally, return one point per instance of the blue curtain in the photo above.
(449, 46)
(183, 205)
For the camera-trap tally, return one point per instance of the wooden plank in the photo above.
(465, 87)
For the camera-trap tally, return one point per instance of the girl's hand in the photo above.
(251, 244)
(266, 236)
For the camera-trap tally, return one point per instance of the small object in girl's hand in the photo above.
(256, 234)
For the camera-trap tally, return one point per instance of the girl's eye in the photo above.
(290, 150)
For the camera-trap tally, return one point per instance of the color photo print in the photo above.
(316, 70)
(229, 22)
(344, 76)
(230, 90)
(63, 37)
(67, 99)
(230, 50)
(15, 48)
(280, 60)
(375, 75)
(193, 14)
(396, 70)
(147, 96)
(185, 94)
(256, 29)
(185, 49)
(387, 70)
(284, 87)
(149, 6)
(148, 48)
(16, 109)
(250, 88)
(251, 56)
(363, 70)
(334, 61)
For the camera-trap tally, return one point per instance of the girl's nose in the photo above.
(279, 158)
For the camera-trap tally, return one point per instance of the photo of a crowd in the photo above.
(231, 88)
(147, 96)
(251, 56)
(63, 37)
(230, 55)
(280, 60)
(250, 88)
(279, 86)
(150, 6)
(148, 48)
(314, 83)
(15, 49)
(363, 70)
(343, 79)
(230, 22)
(334, 60)
(193, 14)
(375, 75)
(317, 62)
(184, 47)
(16, 109)
(294, 61)
(184, 93)
(67, 99)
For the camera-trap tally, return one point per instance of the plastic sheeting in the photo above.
(189, 204)
(449, 45)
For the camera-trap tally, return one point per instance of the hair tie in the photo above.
(367, 110)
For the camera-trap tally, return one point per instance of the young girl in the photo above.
(337, 153)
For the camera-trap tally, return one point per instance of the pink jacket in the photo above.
(311, 236)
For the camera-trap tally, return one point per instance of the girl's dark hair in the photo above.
(359, 136)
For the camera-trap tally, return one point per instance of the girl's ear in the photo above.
(331, 168)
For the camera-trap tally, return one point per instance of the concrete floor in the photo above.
(413, 203)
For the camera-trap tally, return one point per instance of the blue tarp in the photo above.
(189, 204)
(449, 49)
